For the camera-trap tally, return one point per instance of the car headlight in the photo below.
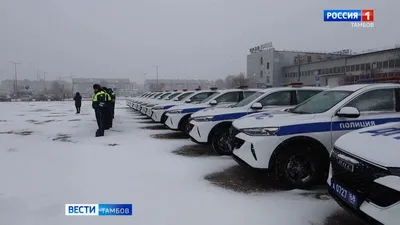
(260, 131)
(158, 108)
(176, 111)
(202, 118)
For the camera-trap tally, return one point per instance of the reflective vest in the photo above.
(95, 97)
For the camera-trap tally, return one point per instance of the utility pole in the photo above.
(144, 82)
(44, 82)
(157, 73)
(15, 77)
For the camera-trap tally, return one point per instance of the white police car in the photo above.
(364, 175)
(149, 107)
(296, 144)
(156, 100)
(159, 111)
(212, 125)
(129, 101)
(147, 98)
(178, 116)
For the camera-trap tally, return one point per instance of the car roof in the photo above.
(294, 88)
(355, 87)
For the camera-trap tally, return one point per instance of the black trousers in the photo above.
(107, 118)
(78, 108)
(113, 110)
(100, 121)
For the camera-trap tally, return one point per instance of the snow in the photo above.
(39, 175)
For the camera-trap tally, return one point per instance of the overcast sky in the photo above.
(204, 39)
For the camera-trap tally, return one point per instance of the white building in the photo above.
(265, 64)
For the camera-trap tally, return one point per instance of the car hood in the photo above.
(378, 144)
(271, 119)
(212, 111)
(190, 106)
(169, 103)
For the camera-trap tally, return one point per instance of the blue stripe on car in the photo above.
(192, 110)
(230, 116)
(332, 126)
(168, 106)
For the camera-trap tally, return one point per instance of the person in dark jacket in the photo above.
(99, 105)
(78, 102)
(112, 93)
(107, 110)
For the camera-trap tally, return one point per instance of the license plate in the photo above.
(344, 194)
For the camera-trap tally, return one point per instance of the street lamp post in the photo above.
(15, 77)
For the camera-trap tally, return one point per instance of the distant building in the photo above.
(265, 64)
(33, 86)
(123, 87)
(346, 70)
(171, 84)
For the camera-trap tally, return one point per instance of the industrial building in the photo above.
(32, 86)
(122, 87)
(171, 84)
(265, 64)
(346, 70)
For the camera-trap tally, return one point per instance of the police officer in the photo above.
(99, 104)
(107, 111)
(112, 93)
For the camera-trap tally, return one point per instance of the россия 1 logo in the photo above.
(357, 17)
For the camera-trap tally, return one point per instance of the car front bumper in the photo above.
(201, 130)
(173, 120)
(157, 114)
(255, 151)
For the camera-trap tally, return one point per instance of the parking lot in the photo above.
(50, 157)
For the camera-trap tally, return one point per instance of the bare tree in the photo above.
(230, 82)
(241, 80)
(55, 88)
(219, 84)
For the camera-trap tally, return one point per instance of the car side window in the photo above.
(248, 93)
(303, 95)
(229, 97)
(376, 100)
(201, 96)
(277, 98)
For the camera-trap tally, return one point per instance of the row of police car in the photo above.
(346, 135)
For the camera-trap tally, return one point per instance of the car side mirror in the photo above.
(213, 102)
(188, 101)
(257, 106)
(348, 112)
(176, 99)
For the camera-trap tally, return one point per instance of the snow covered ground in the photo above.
(49, 157)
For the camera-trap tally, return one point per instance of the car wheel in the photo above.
(221, 142)
(299, 167)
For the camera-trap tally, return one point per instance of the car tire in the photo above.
(185, 126)
(221, 142)
(299, 166)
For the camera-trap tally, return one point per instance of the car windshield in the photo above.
(321, 102)
(164, 95)
(156, 95)
(248, 100)
(172, 96)
(210, 97)
(184, 96)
